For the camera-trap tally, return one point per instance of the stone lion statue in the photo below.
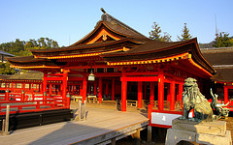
(193, 99)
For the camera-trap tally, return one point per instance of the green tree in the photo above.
(155, 34)
(223, 40)
(6, 69)
(185, 35)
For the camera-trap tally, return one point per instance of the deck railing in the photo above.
(21, 103)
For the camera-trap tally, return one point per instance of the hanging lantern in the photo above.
(91, 77)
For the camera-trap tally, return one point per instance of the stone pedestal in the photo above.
(210, 133)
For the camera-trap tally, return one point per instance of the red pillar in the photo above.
(172, 95)
(180, 91)
(106, 88)
(44, 89)
(123, 94)
(50, 89)
(100, 95)
(84, 90)
(161, 91)
(95, 87)
(226, 98)
(139, 94)
(64, 89)
(113, 89)
(152, 93)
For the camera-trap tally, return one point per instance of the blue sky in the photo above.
(67, 21)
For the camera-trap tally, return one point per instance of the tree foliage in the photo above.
(155, 34)
(6, 69)
(223, 40)
(185, 34)
(22, 48)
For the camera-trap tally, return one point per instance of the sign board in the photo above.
(163, 119)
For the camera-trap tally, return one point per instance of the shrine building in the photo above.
(115, 62)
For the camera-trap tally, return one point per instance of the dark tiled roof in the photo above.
(116, 26)
(24, 59)
(220, 56)
(6, 54)
(152, 46)
(156, 49)
(84, 48)
(224, 75)
(222, 61)
(31, 75)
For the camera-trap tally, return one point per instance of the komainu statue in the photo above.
(193, 99)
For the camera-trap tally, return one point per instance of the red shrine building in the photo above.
(115, 62)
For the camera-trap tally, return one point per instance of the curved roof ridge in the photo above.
(109, 18)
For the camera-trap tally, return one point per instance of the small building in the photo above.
(222, 61)
(116, 62)
(3, 55)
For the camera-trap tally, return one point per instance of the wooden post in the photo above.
(226, 98)
(152, 93)
(161, 91)
(113, 89)
(100, 95)
(137, 137)
(139, 95)
(149, 133)
(6, 131)
(113, 141)
(172, 95)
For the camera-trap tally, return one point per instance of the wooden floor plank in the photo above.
(99, 121)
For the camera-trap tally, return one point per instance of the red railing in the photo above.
(21, 103)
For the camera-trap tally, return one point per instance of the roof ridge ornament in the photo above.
(102, 9)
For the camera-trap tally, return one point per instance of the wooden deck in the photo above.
(101, 125)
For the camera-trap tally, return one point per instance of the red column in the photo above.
(123, 94)
(95, 88)
(161, 91)
(226, 98)
(44, 82)
(113, 89)
(139, 94)
(100, 96)
(106, 88)
(64, 81)
(152, 93)
(50, 89)
(44, 85)
(172, 95)
(84, 90)
(180, 91)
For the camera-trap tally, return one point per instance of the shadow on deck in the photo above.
(101, 126)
